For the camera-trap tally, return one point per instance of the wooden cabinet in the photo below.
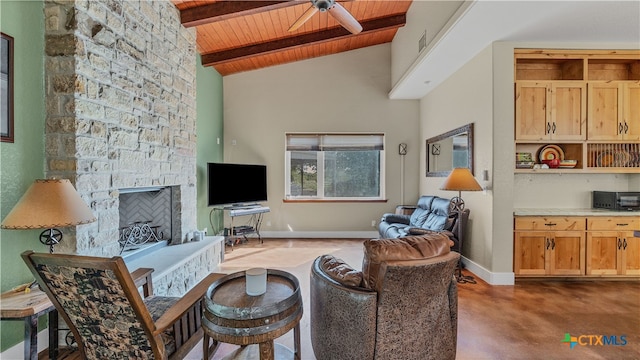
(587, 102)
(554, 110)
(614, 110)
(575, 246)
(549, 246)
(611, 247)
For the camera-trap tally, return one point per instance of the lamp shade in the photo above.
(461, 179)
(48, 204)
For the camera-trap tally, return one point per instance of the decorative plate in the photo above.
(634, 159)
(568, 164)
(606, 159)
(623, 158)
(550, 152)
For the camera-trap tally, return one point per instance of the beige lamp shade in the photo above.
(48, 204)
(461, 179)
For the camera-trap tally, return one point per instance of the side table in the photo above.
(231, 316)
(28, 307)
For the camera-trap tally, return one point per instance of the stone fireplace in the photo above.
(120, 80)
(120, 96)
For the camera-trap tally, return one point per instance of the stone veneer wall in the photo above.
(120, 101)
(183, 277)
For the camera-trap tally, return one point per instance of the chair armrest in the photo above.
(185, 303)
(142, 277)
(396, 218)
(343, 318)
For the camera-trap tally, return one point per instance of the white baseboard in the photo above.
(320, 234)
(492, 278)
(17, 351)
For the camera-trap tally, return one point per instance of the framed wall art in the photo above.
(6, 88)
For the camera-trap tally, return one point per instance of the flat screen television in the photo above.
(236, 184)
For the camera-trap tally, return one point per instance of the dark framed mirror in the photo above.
(452, 149)
(6, 88)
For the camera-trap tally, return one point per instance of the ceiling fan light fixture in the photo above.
(337, 11)
(323, 5)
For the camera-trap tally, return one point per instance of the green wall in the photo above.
(209, 127)
(21, 162)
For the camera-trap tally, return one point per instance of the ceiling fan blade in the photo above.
(345, 18)
(303, 19)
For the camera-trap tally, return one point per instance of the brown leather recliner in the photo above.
(406, 306)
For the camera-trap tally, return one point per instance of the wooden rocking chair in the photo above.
(100, 301)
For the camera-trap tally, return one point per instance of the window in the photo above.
(334, 166)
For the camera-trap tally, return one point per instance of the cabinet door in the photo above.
(566, 253)
(603, 111)
(532, 111)
(630, 254)
(602, 252)
(568, 111)
(529, 253)
(631, 111)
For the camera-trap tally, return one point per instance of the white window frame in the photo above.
(320, 175)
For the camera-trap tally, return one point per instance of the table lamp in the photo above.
(48, 204)
(460, 179)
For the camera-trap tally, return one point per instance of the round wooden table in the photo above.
(231, 316)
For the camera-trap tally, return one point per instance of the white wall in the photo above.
(346, 92)
(466, 97)
(423, 16)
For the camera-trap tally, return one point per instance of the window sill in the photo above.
(332, 201)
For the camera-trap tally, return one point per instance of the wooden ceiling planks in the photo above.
(254, 34)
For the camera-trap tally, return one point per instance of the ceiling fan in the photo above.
(334, 9)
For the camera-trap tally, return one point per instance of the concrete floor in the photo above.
(525, 321)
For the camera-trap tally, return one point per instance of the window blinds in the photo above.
(334, 142)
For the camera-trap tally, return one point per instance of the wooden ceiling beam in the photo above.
(223, 10)
(368, 27)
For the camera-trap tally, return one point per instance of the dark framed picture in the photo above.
(6, 88)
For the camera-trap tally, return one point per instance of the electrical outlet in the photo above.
(268, 223)
(373, 223)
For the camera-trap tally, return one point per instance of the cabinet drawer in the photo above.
(625, 223)
(549, 223)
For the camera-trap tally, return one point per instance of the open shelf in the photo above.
(614, 69)
(592, 157)
(550, 69)
(613, 155)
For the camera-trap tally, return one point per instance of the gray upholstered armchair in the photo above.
(404, 306)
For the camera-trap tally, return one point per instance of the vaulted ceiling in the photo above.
(235, 36)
